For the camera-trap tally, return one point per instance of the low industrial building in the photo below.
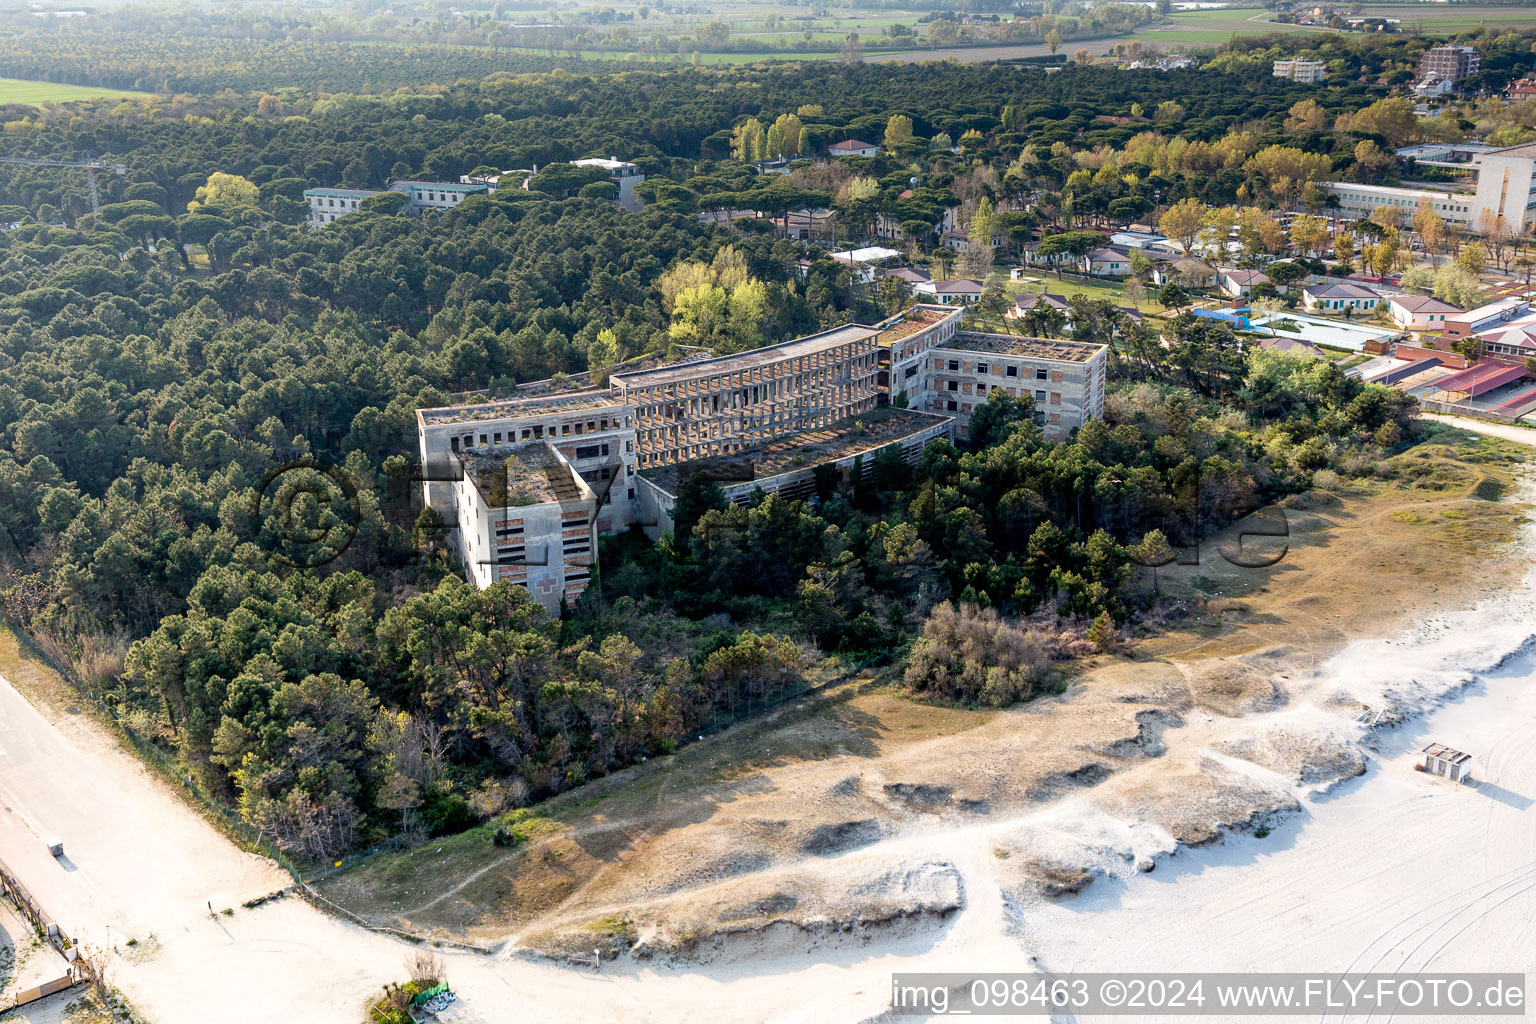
(604, 456)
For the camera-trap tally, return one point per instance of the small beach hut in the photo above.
(1440, 759)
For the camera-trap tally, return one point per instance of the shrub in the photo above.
(973, 654)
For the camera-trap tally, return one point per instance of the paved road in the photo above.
(1509, 432)
(135, 857)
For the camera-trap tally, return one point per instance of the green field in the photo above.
(16, 90)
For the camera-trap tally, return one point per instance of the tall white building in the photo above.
(1307, 71)
(623, 174)
(1505, 198)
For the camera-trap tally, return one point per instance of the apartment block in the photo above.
(1307, 71)
(1449, 62)
(326, 204)
(1064, 379)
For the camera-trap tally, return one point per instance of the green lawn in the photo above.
(1094, 289)
(17, 90)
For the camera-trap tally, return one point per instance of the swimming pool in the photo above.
(1334, 333)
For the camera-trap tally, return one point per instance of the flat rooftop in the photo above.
(873, 429)
(1020, 345)
(914, 320)
(512, 408)
(808, 345)
(524, 474)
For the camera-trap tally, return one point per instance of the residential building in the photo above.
(716, 406)
(911, 275)
(1107, 261)
(1306, 71)
(1341, 297)
(1239, 284)
(1186, 272)
(1449, 62)
(436, 195)
(326, 204)
(902, 348)
(846, 449)
(593, 432)
(1024, 303)
(959, 292)
(1429, 88)
(623, 174)
(852, 147)
(1521, 89)
(527, 483)
(1419, 312)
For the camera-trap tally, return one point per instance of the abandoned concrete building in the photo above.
(526, 484)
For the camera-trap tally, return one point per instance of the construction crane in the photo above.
(91, 167)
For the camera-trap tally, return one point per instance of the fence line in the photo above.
(32, 910)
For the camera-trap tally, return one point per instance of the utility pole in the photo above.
(90, 166)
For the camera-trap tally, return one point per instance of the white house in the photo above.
(1189, 273)
(1419, 312)
(959, 292)
(1107, 262)
(1239, 284)
(1336, 298)
(852, 147)
(1024, 303)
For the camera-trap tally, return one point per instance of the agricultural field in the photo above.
(1444, 19)
(16, 90)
